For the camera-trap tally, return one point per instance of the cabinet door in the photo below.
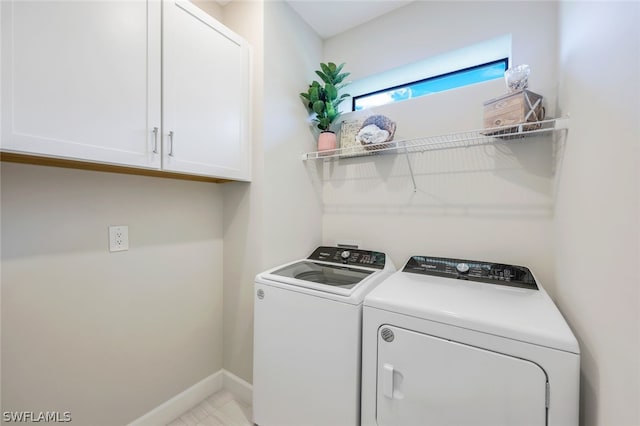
(426, 380)
(205, 95)
(81, 80)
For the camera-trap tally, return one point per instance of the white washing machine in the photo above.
(466, 343)
(307, 337)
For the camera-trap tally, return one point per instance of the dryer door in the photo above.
(426, 380)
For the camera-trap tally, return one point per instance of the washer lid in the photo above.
(516, 313)
(345, 283)
(324, 273)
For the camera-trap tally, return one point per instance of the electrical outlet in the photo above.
(118, 238)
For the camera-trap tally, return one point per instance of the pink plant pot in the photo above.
(327, 141)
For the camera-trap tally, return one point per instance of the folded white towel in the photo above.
(372, 134)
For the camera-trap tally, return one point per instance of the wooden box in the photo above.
(514, 108)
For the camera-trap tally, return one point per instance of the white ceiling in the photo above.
(331, 17)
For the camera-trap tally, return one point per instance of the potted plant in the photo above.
(323, 99)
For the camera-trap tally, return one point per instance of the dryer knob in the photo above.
(463, 268)
(345, 254)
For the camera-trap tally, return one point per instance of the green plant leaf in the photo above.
(330, 109)
(318, 107)
(332, 92)
(323, 76)
(341, 77)
(323, 98)
(313, 94)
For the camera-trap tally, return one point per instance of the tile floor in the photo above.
(220, 409)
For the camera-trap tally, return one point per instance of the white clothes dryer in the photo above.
(307, 337)
(455, 342)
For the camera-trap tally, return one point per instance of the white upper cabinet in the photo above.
(156, 85)
(81, 80)
(205, 86)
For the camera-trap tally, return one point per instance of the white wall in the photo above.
(293, 202)
(485, 203)
(185, 332)
(107, 336)
(244, 207)
(212, 7)
(597, 229)
(424, 29)
(110, 336)
(569, 209)
(278, 217)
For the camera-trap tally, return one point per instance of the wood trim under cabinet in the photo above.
(110, 168)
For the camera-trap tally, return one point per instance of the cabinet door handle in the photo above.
(171, 143)
(155, 140)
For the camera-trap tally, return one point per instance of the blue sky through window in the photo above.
(460, 78)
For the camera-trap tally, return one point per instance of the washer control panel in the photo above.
(472, 270)
(357, 257)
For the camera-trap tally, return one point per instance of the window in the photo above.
(438, 83)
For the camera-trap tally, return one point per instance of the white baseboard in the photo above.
(239, 388)
(184, 401)
(189, 398)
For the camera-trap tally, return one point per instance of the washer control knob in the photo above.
(463, 268)
(345, 254)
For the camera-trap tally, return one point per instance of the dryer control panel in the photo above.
(472, 270)
(357, 257)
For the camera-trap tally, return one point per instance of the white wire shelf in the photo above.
(447, 141)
